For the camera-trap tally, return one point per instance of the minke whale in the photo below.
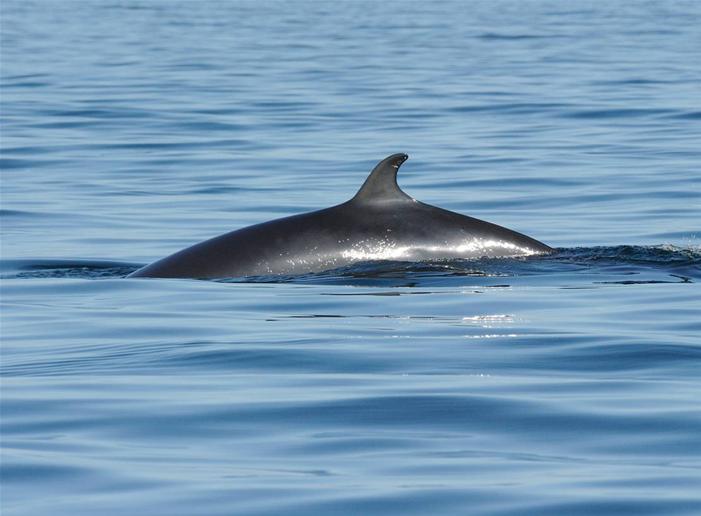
(380, 222)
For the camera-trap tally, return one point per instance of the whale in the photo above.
(381, 222)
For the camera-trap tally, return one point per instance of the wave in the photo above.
(47, 268)
(665, 254)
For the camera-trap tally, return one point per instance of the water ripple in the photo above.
(566, 384)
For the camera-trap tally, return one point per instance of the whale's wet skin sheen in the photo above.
(380, 223)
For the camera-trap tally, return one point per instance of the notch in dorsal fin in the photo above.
(381, 185)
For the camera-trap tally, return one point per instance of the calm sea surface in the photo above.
(565, 385)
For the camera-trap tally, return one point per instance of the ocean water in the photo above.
(562, 385)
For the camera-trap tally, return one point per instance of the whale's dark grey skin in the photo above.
(380, 223)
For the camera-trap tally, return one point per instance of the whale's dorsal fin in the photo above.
(381, 185)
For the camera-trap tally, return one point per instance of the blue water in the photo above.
(562, 385)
